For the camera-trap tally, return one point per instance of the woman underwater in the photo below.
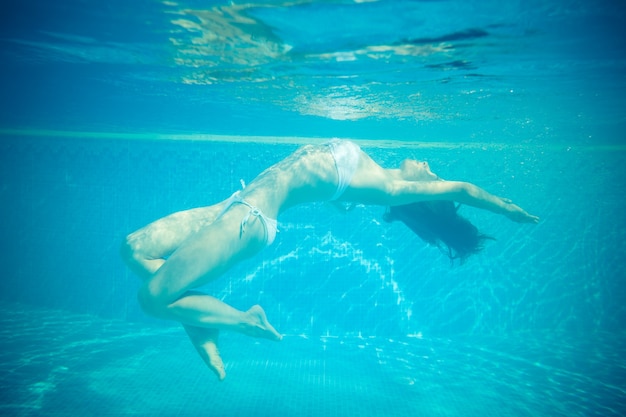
(185, 250)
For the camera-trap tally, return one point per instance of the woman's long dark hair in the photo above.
(439, 223)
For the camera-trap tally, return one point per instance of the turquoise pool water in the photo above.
(114, 115)
(374, 320)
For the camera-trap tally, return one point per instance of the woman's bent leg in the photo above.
(201, 310)
(144, 251)
(200, 259)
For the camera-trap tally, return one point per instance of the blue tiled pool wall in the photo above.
(67, 203)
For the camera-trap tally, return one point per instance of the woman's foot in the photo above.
(259, 326)
(213, 359)
(205, 342)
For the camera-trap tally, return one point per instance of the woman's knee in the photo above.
(128, 251)
(152, 301)
(136, 260)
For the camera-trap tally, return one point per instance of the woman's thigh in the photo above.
(207, 254)
(160, 238)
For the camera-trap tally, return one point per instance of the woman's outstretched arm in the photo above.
(477, 197)
(406, 192)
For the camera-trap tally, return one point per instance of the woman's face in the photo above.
(413, 170)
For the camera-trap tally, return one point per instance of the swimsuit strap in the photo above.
(254, 211)
(270, 225)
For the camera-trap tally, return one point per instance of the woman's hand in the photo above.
(518, 214)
